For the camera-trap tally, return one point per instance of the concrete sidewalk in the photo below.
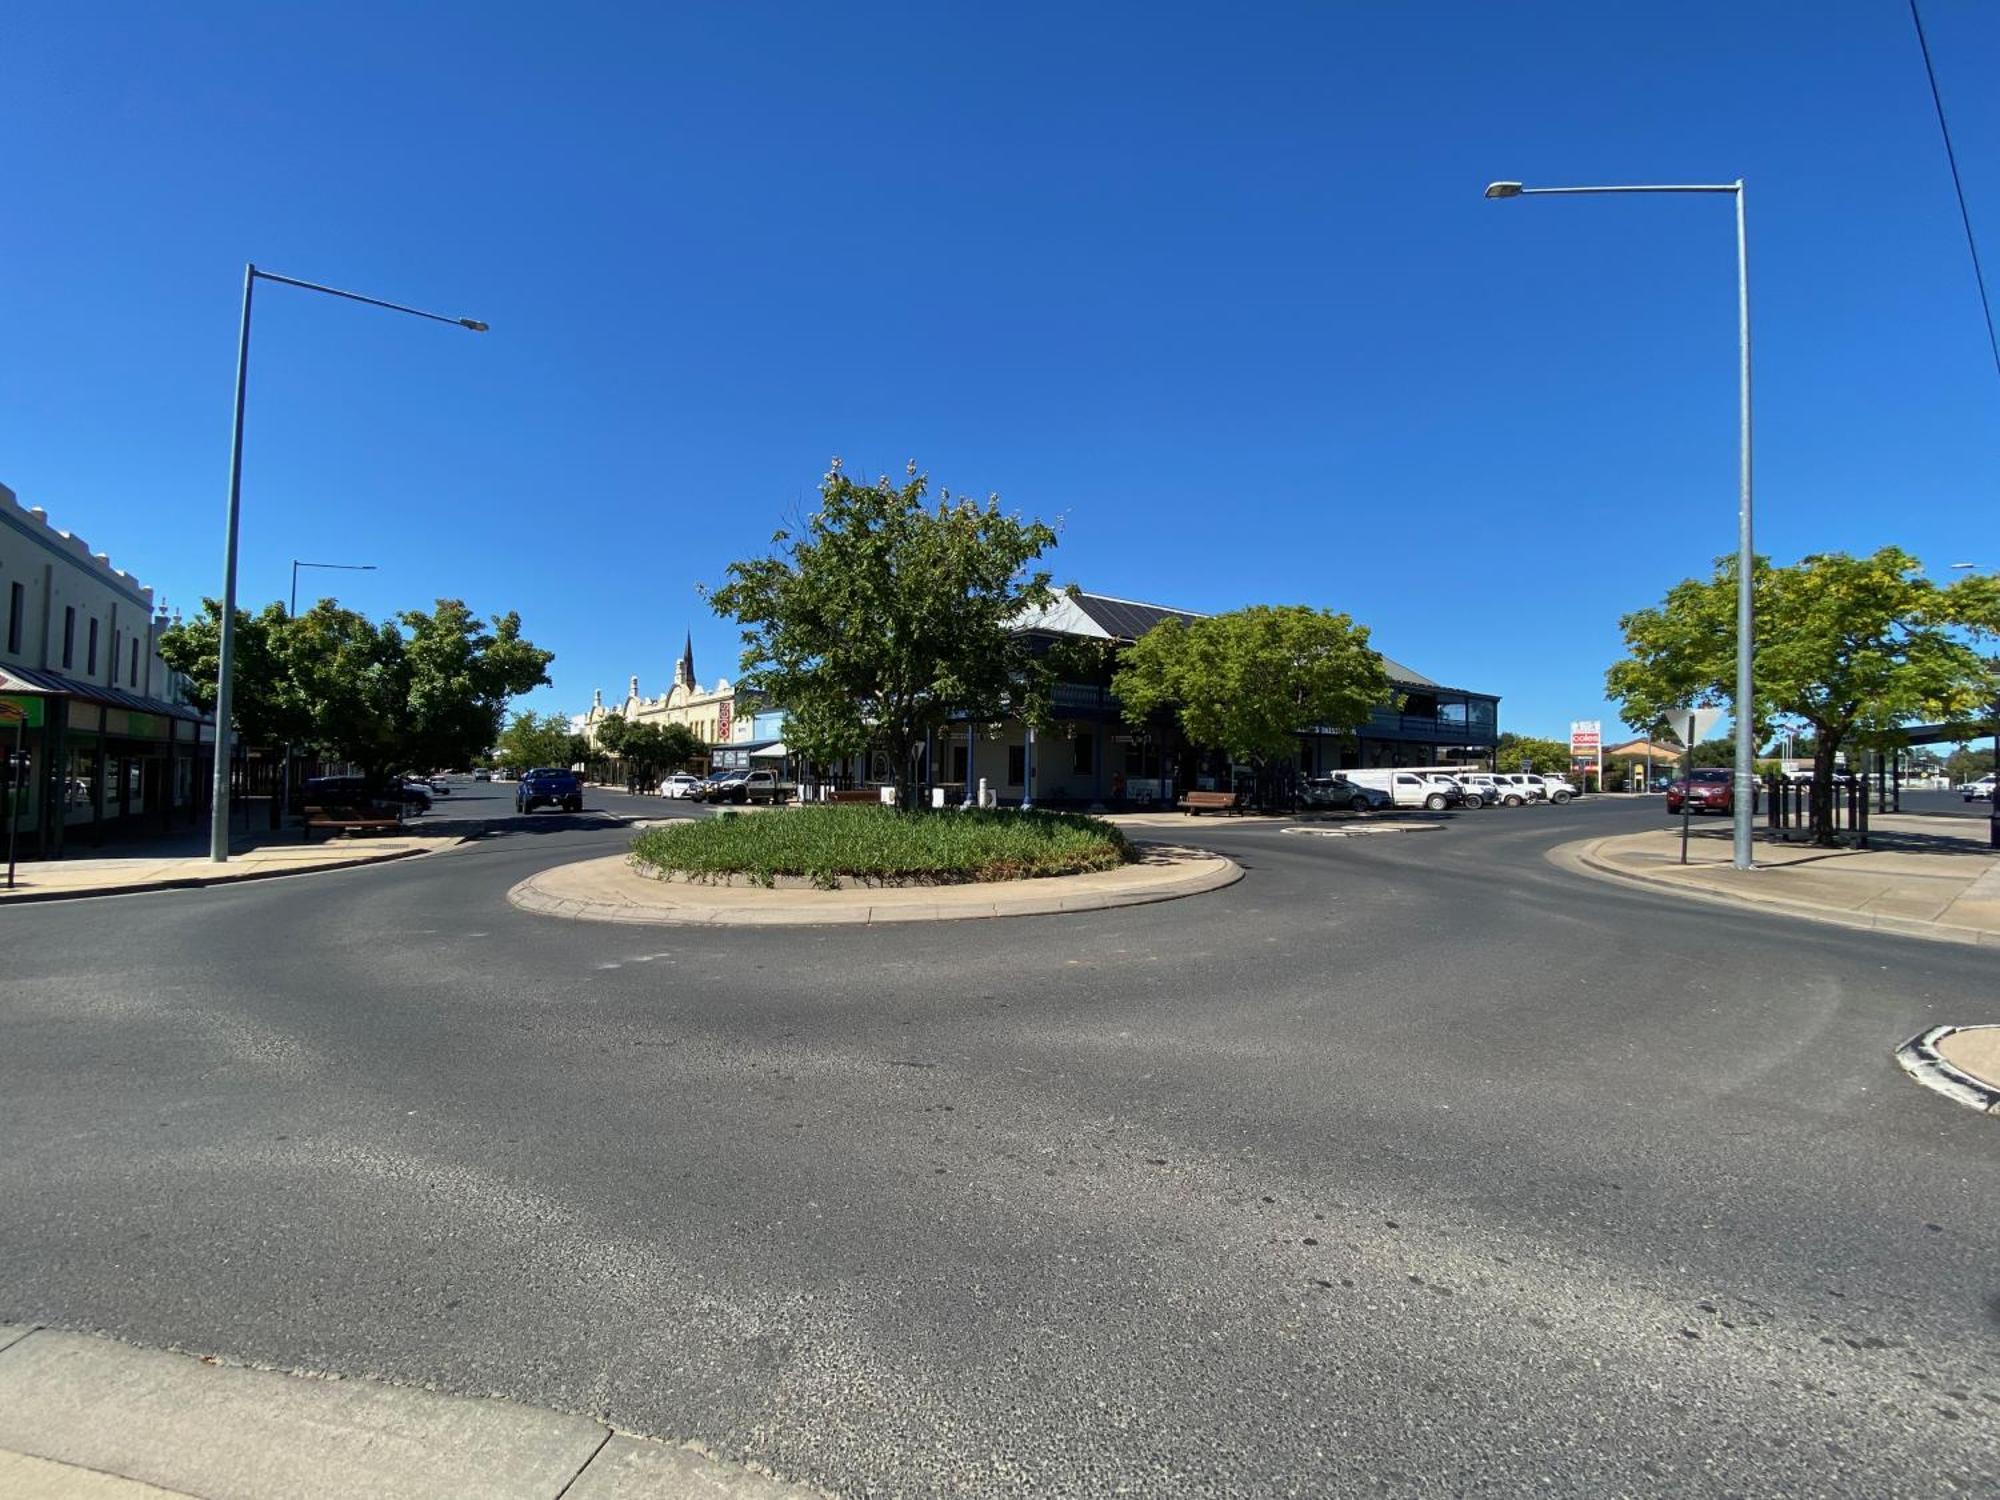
(1915, 881)
(98, 875)
(87, 1418)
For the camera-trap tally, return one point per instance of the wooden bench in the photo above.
(347, 820)
(1201, 802)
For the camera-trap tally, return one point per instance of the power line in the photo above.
(1971, 244)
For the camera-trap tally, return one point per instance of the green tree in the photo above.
(1521, 752)
(426, 689)
(1252, 680)
(1851, 648)
(1965, 764)
(889, 617)
(532, 740)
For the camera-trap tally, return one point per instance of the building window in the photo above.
(17, 606)
(1086, 753)
(135, 662)
(1017, 765)
(69, 636)
(90, 658)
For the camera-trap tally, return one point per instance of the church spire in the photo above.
(684, 669)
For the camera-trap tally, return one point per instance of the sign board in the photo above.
(725, 714)
(22, 710)
(1586, 736)
(1694, 725)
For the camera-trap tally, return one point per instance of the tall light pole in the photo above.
(1744, 801)
(292, 613)
(1993, 810)
(218, 817)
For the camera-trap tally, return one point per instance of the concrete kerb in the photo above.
(609, 890)
(1580, 858)
(1923, 1059)
(99, 1417)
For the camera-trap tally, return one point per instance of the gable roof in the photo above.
(1105, 617)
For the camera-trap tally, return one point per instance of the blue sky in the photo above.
(1212, 287)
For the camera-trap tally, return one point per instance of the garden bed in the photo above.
(836, 846)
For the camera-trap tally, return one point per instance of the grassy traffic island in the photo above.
(831, 847)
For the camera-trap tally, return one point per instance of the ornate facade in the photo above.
(709, 712)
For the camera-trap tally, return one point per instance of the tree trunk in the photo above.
(1822, 788)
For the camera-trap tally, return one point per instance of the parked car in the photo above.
(746, 786)
(1337, 791)
(1557, 789)
(438, 785)
(680, 784)
(1493, 789)
(482, 774)
(548, 787)
(1408, 788)
(1456, 788)
(1529, 787)
(1705, 789)
(1980, 790)
(416, 795)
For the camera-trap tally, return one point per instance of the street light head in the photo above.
(1503, 189)
(473, 323)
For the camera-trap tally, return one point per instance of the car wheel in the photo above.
(1358, 803)
(1560, 798)
(1513, 801)
(1435, 802)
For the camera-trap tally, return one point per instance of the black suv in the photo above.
(553, 788)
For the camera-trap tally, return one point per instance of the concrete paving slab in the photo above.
(25, 1477)
(634, 1469)
(227, 1433)
(13, 1333)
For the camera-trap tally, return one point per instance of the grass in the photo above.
(877, 844)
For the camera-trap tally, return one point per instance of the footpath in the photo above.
(1920, 877)
(180, 868)
(88, 1418)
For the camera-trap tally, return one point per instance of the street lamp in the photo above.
(1745, 798)
(1993, 816)
(218, 818)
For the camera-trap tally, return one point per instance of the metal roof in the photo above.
(34, 680)
(1128, 619)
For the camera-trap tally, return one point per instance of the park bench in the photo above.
(1201, 802)
(855, 794)
(348, 820)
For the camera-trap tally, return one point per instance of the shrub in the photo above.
(878, 844)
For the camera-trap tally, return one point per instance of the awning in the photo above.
(52, 684)
(774, 751)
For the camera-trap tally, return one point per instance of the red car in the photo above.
(1710, 789)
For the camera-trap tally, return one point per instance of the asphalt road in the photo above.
(1407, 1165)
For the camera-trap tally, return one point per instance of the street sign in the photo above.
(1694, 725)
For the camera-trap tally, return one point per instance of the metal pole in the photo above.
(1746, 747)
(218, 815)
(14, 774)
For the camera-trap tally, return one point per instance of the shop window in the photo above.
(17, 606)
(1017, 765)
(1086, 754)
(80, 784)
(69, 637)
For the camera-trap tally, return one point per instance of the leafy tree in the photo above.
(422, 690)
(610, 734)
(1251, 680)
(1964, 764)
(1520, 752)
(890, 616)
(1850, 647)
(535, 740)
(1713, 753)
(261, 709)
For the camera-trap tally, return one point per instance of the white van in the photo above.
(1409, 788)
